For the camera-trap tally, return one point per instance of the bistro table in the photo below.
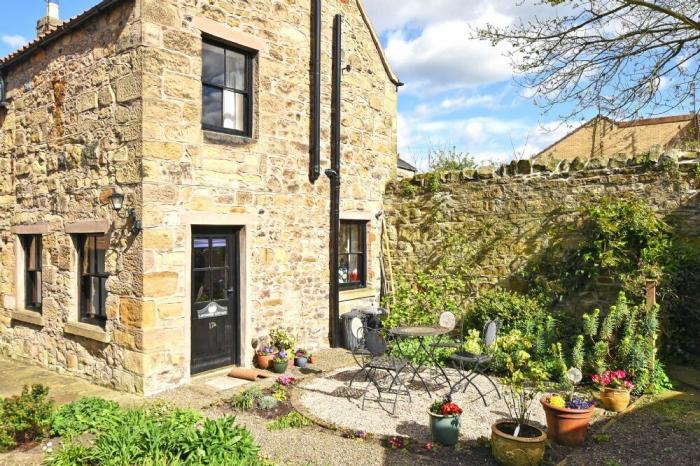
(421, 333)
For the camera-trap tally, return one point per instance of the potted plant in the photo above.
(283, 341)
(445, 421)
(614, 388)
(280, 362)
(313, 359)
(264, 356)
(567, 419)
(301, 357)
(514, 441)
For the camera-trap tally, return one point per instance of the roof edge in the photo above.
(377, 43)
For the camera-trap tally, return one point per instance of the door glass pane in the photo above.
(353, 269)
(235, 70)
(211, 105)
(201, 253)
(355, 243)
(213, 64)
(219, 285)
(344, 242)
(234, 111)
(343, 269)
(200, 287)
(218, 252)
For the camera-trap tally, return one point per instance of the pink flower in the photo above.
(619, 374)
(606, 379)
(628, 385)
(595, 378)
(429, 446)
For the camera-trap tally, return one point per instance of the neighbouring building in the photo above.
(157, 213)
(603, 138)
(405, 170)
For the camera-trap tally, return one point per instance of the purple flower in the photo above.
(282, 354)
(578, 403)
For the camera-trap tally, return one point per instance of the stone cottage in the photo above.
(159, 208)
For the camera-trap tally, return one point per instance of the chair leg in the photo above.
(357, 373)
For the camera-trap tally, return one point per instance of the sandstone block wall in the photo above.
(72, 129)
(509, 211)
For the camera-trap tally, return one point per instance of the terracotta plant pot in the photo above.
(313, 359)
(566, 426)
(263, 360)
(280, 367)
(507, 450)
(445, 429)
(615, 399)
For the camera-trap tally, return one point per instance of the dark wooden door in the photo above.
(215, 299)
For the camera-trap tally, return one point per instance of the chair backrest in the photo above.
(490, 333)
(374, 342)
(447, 320)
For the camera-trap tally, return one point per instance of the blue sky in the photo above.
(459, 92)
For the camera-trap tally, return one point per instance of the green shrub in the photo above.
(267, 402)
(422, 302)
(72, 454)
(293, 420)
(514, 310)
(247, 398)
(85, 415)
(26, 417)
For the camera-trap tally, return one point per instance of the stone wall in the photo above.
(193, 177)
(509, 211)
(72, 129)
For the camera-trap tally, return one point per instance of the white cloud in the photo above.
(13, 41)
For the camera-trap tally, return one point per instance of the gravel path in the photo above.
(330, 399)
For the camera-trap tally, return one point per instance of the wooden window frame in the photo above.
(32, 278)
(248, 93)
(362, 255)
(85, 283)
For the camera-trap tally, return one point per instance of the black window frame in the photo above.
(85, 283)
(248, 93)
(32, 278)
(362, 255)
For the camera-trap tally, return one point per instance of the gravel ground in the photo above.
(330, 399)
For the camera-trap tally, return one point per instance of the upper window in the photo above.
(2, 87)
(32, 271)
(226, 89)
(352, 253)
(93, 277)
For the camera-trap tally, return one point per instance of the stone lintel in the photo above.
(93, 332)
(30, 229)
(88, 226)
(29, 317)
(357, 215)
(229, 34)
(362, 293)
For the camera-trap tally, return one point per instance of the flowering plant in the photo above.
(265, 351)
(445, 407)
(579, 403)
(286, 380)
(281, 356)
(301, 353)
(613, 379)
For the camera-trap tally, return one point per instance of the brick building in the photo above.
(197, 119)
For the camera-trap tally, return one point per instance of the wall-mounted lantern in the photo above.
(116, 199)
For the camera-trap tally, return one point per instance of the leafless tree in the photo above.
(623, 58)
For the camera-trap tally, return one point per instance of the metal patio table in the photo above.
(421, 333)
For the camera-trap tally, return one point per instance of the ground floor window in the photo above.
(352, 254)
(93, 277)
(31, 245)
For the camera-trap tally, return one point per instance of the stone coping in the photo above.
(93, 332)
(29, 317)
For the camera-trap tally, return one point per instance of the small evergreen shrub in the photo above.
(88, 414)
(267, 402)
(26, 417)
(247, 398)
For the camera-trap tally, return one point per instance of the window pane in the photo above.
(201, 287)
(219, 285)
(235, 70)
(88, 265)
(353, 268)
(36, 289)
(234, 111)
(344, 242)
(211, 106)
(33, 253)
(101, 245)
(201, 253)
(355, 238)
(343, 276)
(95, 302)
(218, 252)
(213, 64)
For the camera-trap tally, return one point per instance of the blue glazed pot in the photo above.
(445, 429)
(301, 361)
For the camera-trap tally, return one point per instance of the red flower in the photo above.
(450, 409)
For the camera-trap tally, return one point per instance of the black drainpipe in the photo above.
(334, 175)
(315, 143)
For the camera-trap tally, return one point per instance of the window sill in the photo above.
(93, 332)
(215, 137)
(360, 293)
(29, 317)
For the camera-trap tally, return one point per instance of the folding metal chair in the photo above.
(382, 370)
(471, 366)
